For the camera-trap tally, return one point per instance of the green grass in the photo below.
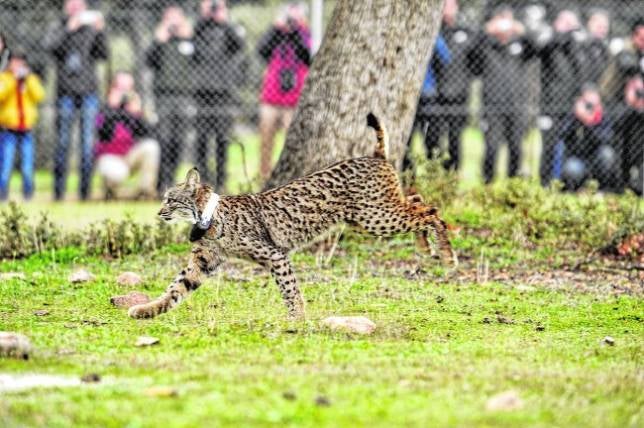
(437, 356)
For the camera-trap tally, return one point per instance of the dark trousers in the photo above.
(550, 131)
(214, 119)
(500, 127)
(174, 122)
(450, 119)
(433, 119)
(67, 108)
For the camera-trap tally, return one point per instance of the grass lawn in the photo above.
(511, 318)
(442, 348)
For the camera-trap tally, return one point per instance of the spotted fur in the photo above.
(265, 227)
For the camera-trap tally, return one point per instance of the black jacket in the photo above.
(596, 58)
(582, 141)
(503, 72)
(75, 54)
(561, 65)
(172, 65)
(276, 38)
(111, 116)
(453, 80)
(219, 61)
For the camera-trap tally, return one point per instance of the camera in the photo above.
(589, 106)
(89, 17)
(639, 94)
(214, 6)
(125, 100)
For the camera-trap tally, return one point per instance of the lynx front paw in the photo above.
(141, 311)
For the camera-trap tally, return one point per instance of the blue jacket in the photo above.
(441, 53)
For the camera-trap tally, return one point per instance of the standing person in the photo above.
(499, 58)
(449, 113)
(596, 52)
(20, 94)
(220, 67)
(559, 50)
(629, 132)
(427, 102)
(627, 63)
(124, 144)
(76, 43)
(286, 48)
(170, 59)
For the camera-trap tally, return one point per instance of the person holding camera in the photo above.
(628, 63)
(170, 58)
(124, 144)
(221, 67)
(585, 150)
(20, 93)
(286, 48)
(76, 44)
(447, 112)
(498, 57)
(630, 134)
(560, 51)
(596, 54)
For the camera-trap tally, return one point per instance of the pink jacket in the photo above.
(284, 62)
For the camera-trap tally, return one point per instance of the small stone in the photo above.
(161, 391)
(81, 275)
(503, 319)
(359, 324)
(41, 312)
(146, 341)
(129, 279)
(91, 378)
(505, 401)
(14, 345)
(289, 395)
(608, 341)
(12, 275)
(322, 401)
(131, 299)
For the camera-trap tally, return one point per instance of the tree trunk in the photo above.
(373, 58)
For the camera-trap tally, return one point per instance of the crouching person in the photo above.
(584, 150)
(20, 94)
(124, 143)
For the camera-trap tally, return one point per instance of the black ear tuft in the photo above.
(372, 121)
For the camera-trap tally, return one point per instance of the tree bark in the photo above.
(373, 58)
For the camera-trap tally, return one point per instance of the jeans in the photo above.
(8, 142)
(174, 122)
(67, 107)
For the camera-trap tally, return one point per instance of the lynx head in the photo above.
(179, 202)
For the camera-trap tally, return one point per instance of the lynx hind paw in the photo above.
(142, 311)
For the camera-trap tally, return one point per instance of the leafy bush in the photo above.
(19, 238)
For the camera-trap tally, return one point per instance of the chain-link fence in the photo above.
(143, 85)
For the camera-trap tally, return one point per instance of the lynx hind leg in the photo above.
(436, 226)
(409, 215)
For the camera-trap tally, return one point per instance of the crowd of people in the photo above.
(198, 71)
(591, 114)
(591, 92)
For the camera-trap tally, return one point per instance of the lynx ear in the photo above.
(192, 178)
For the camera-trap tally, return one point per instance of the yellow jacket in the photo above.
(19, 108)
